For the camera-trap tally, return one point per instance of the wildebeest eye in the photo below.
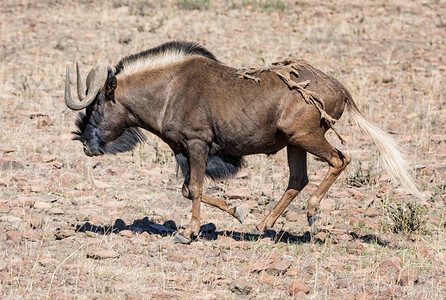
(94, 108)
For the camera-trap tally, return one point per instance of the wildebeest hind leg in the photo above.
(297, 163)
(337, 162)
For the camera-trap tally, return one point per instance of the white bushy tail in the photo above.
(393, 161)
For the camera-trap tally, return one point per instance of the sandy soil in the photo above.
(57, 206)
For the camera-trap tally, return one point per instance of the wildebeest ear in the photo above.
(110, 85)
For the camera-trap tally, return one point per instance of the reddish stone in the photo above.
(14, 236)
(298, 286)
(265, 278)
(259, 266)
(292, 272)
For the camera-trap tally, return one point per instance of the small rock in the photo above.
(48, 262)
(259, 266)
(121, 287)
(35, 221)
(407, 277)
(291, 272)
(393, 127)
(265, 278)
(14, 236)
(58, 164)
(42, 120)
(345, 237)
(328, 204)
(46, 198)
(242, 174)
(279, 266)
(84, 200)
(10, 219)
(48, 158)
(100, 184)
(134, 296)
(115, 204)
(372, 212)
(321, 236)
(152, 238)
(126, 233)
(31, 236)
(41, 205)
(144, 235)
(63, 234)
(56, 211)
(68, 178)
(241, 287)
(103, 254)
(293, 216)
(310, 270)
(36, 189)
(80, 216)
(357, 195)
(11, 165)
(26, 201)
(298, 286)
(174, 256)
(239, 193)
(392, 263)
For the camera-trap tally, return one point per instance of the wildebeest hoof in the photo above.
(239, 214)
(255, 231)
(312, 219)
(181, 239)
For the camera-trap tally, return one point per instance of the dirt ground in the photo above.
(101, 228)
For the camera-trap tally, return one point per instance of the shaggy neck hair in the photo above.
(160, 56)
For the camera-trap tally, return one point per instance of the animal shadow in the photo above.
(209, 232)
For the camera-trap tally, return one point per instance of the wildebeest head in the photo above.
(106, 125)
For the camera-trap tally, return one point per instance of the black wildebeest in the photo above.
(212, 115)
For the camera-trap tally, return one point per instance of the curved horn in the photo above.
(95, 81)
(80, 86)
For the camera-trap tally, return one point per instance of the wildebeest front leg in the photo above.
(193, 188)
(236, 212)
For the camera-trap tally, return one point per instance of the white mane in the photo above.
(153, 61)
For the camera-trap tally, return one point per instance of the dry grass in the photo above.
(389, 55)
